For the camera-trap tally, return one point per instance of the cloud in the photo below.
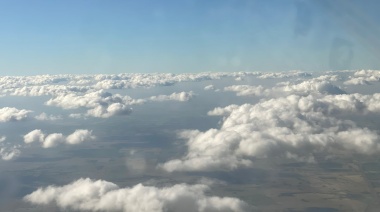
(76, 116)
(113, 109)
(55, 139)
(282, 75)
(13, 114)
(34, 136)
(313, 86)
(100, 195)
(100, 103)
(58, 85)
(135, 162)
(182, 97)
(295, 127)
(46, 90)
(7, 151)
(45, 117)
(103, 104)
(248, 90)
(363, 77)
(357, 81)
(209, 87)
(79, 136)
(319, 85)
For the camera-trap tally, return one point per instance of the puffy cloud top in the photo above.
(363, 77)
(101, 103)
(182, 97)
(294, 127)
(13, 114)
(54, 139)
(7, 151)
(100, 195)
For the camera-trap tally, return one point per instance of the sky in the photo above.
(98, 36)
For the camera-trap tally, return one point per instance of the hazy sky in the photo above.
(99, 36)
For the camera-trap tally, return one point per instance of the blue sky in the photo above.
(98, 36)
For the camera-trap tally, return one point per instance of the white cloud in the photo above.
(7, 151)
(209, 87)
(55, 139)
(45, 90)
(100, 195)
(34, 136)
(182, 97)
(313, 86)
(58, 85)
(13, 114)
(281, 75)
(363, 77)
(100, 103)
(318, 85)
(292, 127)
(76, 115)
(45, 117)
(104, 104)
(357, 81)
(79, 136)
(248, 90)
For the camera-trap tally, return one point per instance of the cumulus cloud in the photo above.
(319, 85)
(8, 151)
(182, 97)
(100, 103)
(294, 127)
(103, 104)
(313, 86)
(79, 136)
(55, 139)
(13, 114)
(100, 195)
(357, 81)
(281, 75)
(248, 90)
(363, 77)
(45, 117)
(34, 136)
